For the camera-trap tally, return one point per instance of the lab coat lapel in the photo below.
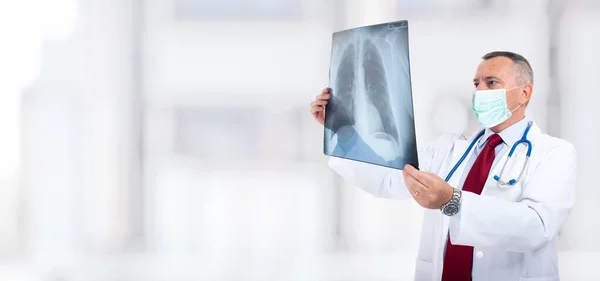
(460, 147)
(498, 167)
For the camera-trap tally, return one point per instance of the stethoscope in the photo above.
(498, 178)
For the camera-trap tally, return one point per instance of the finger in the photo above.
(431, 177)
(319, 102)
(420, 176)
(325, 91)
(409, 168)
(418, 193)
(323, 97)
(414, 185)
(414, 173)
(316, 109)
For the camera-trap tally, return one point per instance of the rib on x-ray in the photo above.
(370, 117)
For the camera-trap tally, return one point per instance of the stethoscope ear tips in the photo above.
(510, 182)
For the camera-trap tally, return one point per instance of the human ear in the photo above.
(525, 94)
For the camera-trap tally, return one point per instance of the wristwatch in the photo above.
(452, 206)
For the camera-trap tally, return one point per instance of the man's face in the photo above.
(498, 73)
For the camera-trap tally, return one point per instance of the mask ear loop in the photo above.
(515, 108)
(519, 103)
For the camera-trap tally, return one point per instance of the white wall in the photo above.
(108, 133)
(578, 66)
(211, 62)
(77, 141)
(267, 66)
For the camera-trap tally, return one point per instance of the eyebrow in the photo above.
(487, 78)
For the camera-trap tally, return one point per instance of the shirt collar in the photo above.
(509, 135)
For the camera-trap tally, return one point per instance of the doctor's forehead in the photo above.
(499, 67)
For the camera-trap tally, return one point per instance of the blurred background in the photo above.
(172, 139)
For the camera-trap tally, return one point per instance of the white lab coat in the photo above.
(513, 230)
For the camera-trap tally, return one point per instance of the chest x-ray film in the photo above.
(370, 117)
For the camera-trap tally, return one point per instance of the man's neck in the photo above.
(511, 121)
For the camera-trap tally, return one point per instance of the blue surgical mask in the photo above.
(491, 108)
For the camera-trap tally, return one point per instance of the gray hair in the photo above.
(521, 67)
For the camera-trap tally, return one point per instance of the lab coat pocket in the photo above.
(423, 270)
(510, 193)
(539, 279)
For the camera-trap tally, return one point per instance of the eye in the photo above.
(492, 83)
(476, 85)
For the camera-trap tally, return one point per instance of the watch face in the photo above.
(450, 210)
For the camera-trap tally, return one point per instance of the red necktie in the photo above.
(458, 261)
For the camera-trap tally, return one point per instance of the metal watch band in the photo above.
(453, 204)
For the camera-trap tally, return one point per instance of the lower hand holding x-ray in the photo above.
(369, 117)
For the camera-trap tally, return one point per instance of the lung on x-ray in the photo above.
(370, 116)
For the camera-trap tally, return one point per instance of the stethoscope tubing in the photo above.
(511, 182)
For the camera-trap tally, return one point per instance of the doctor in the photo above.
(483, 222)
